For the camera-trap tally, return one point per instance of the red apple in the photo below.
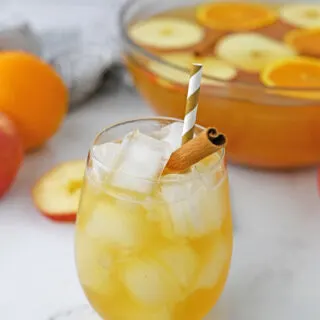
(11, 153)
(57, 194)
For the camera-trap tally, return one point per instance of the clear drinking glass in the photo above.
(165, 256)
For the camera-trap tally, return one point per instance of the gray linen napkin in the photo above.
(86, 56)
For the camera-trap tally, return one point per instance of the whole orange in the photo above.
(33, 95)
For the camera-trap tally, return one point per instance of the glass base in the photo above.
(83, 312)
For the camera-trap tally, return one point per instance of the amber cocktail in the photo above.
(152, 247)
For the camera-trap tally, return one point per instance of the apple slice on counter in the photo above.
(57, 194)
(212, 66)
(251, 51)
(166, 33)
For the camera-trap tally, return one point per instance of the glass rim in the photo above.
(271, 90)
(211, 168)
(69, 312)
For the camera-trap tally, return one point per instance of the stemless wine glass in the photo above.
(161, 256)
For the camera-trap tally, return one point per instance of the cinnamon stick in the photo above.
(207, 46)
(200, 147)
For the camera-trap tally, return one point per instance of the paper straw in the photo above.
(192, 102)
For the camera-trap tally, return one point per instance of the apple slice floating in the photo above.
(301, 15)
(57, 193)
(212, 67)
(251, 51)
(166, 33)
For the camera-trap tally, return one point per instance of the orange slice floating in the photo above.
(298, 72)
(233, 16)
(293, 73)
(306, 42)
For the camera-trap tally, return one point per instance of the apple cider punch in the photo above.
(154, 228)
(261, 71)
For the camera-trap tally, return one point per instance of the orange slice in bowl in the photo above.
(294, 73)
(305, 42)
(233, 16)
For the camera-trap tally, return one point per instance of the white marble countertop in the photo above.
(275, 271)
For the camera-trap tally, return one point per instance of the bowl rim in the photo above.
(223, 83)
